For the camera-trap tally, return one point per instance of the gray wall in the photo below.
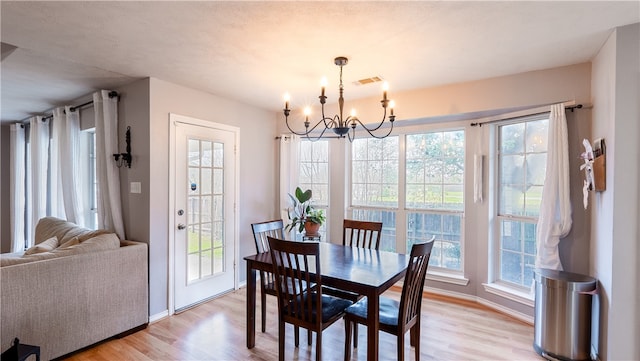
(257, 172)
(614, 222)
(436, 106)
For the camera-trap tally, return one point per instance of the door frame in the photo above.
(177, 118)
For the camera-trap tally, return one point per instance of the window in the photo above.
(88, 140)
(314, 174)
(374, 184)
(435, 194)
(521, 154)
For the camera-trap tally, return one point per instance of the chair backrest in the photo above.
(361, 234)
(411, 299)
(293, 263)
(263, 230)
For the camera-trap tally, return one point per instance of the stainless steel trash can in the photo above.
(562, 320)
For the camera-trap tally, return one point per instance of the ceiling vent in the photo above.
(366, 81)
(7, 49)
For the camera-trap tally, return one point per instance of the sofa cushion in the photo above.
(48, 227)
(45, 246)
(101, 242)
(72, 242)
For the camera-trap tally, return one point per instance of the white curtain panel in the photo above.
(17, 186)
(66, 128)
(555, 209)
(109, 204)
(289, 150)
(55, 196)
(39, 150)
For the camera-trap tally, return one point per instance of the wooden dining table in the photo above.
(364, 271)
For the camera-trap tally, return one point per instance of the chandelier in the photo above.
(340, 125)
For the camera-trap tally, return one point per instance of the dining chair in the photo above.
(261, 231)
(294, 264)
(396, 317)
(362, 234)
(356, 233)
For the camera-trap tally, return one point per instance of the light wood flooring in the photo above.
(215, 330)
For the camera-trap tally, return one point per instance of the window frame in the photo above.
(495, 284)
(402, 211)
(326, 207)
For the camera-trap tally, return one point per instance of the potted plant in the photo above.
(302, 214)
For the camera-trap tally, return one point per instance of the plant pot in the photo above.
(311, 229)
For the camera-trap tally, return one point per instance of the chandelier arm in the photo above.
(370, 131)
(286, 119)
(352, 138)
(384, 117)
(308, 130)
(319, 136)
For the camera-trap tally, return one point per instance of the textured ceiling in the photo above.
(255, 51)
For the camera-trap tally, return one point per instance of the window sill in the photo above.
(510, 293)
(456, 279)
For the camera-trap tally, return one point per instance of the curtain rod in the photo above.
(112, 94)
(480, 124)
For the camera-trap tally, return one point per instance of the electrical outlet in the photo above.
(136, 187)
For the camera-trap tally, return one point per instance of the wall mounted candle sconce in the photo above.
(125, 158)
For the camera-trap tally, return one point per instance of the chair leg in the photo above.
(401, 346)
(309, 337)
(347, 340)
(318, 345)
(263, 306)
(416, 340)
(355, 335)
(296, 337)
(281, 335)
(412, 336)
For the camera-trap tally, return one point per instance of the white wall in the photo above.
(615, 79)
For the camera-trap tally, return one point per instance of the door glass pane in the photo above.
(205, 213)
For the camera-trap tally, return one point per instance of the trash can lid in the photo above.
(561, 279)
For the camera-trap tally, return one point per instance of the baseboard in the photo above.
(158, 316)
(507, 311)
(469, 300)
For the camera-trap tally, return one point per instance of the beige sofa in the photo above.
(68, 298)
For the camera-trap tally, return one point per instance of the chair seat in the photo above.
(331, 306)
(389, 309)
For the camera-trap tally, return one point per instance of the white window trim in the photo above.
(496, 286)
(446, 276)
(510, 293)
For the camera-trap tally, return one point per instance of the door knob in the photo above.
(181, 226)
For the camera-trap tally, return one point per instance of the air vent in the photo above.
(365, 81)
(7, 49)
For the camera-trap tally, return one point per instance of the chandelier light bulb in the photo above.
(385, 88)
(353, 112)
(286, 97)
(392, 105)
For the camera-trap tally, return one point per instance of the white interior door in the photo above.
(204, 236)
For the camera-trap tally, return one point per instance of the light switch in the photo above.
(136, 187)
